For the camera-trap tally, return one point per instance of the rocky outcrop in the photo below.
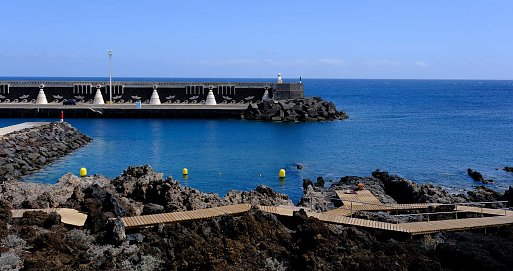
(406, 191)
(144, 185)
(483, 194)
(477, 176)
(262, 195)
(252, 240)
(306, 109)
(29, 150)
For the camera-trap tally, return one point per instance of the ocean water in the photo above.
(424, 130)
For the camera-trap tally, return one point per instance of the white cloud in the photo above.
(381, 63)
(331, 61)
(267, 51)
(421, 64)
(246, 62)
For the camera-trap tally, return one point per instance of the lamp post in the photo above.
(109, 52)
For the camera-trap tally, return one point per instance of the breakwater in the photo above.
(28, 150)
(138, 99)
(291, 110)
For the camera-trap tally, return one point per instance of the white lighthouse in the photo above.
(280, 80)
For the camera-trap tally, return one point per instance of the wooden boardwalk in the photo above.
(68, 216)
(413, 228)
(427, 227)
(360, 197)
(147, 220)
(364, 200)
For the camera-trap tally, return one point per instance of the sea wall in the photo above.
(28, 150)
(128, 92)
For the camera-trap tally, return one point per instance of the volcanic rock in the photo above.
(304, 109)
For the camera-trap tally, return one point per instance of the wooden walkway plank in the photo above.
(68, 216)
(338, 216)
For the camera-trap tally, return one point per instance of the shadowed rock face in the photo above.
(31, 149)
(406, 191)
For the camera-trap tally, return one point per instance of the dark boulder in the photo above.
(52, 219)
(115, 231)
(262, 195)
(483, 194)
(306, 183)
(152, 208)
(475, 175)
(320, 182)
(33, 218)
(406, 191)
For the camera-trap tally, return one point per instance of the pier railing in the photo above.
(30, 83)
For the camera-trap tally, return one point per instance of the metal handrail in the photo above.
(428, 204)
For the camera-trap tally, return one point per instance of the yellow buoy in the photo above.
(185, 171)
(83, 172)
(281, 173)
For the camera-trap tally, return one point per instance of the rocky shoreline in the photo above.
(28, 150)
(253, 240)
(294, 110)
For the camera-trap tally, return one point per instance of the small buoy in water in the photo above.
(281, 174)
(83, 172)
(185, 171)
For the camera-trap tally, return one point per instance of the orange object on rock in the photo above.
(360, 186)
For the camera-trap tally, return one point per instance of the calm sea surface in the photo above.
(425, 130)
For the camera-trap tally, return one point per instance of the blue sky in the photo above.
(408, 39)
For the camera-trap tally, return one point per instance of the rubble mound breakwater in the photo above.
(28, 150)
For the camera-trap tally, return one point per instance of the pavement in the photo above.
(21, 126)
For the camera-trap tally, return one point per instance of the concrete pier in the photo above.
(174, 99)
(122, 111)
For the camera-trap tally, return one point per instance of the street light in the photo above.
(109, 52)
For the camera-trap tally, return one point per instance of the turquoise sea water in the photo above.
(425, 130)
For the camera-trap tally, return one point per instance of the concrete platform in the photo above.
(52, 110)
(21, 126)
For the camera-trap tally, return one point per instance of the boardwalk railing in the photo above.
(355, 205)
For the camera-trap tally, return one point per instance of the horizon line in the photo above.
(2, 77)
